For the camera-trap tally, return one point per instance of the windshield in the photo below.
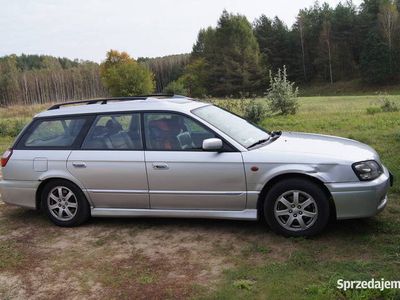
(235, 127)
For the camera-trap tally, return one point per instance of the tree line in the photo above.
(35, 79)
(325, 45)
(165, 69)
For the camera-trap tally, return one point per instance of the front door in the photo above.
(183, 176)
(111, 162)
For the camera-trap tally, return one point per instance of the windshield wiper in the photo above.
(273, 136)
(262, 141)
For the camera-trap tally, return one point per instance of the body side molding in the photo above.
(247, 214)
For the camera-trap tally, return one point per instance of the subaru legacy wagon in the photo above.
(172, 156)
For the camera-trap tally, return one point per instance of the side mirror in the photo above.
(212, 144)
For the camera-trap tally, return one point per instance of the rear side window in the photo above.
(56, 133)
(115, 132)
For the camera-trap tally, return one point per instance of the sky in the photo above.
(87, 29)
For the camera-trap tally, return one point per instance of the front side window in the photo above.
(174, 132)
(115, 132)
(237, 128)
(58, 133)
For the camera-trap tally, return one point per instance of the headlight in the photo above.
(367, 170)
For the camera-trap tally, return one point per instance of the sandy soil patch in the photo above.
(141, 258)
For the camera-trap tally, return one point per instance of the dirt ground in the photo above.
(122, 258)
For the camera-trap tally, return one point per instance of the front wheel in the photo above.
(64, 203)
(296, 207)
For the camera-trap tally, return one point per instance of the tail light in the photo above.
(5, 158)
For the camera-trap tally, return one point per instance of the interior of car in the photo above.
(55, 133)
(174, 132)
(116, 133)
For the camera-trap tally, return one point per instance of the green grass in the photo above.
(5, 142)
(13, 119)
(11, 257)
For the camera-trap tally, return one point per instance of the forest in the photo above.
(234, 59)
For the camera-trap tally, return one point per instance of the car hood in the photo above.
(321, 145)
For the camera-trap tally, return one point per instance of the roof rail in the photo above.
(106, 100)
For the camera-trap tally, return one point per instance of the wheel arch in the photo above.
(44, 182)
(270, 183)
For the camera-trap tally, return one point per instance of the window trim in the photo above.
(20, 142)
(99, 115)
(18, 145)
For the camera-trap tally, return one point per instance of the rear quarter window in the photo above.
(53, 133)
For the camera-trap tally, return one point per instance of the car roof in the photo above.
(178, 104)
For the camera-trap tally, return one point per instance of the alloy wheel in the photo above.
(296, 210)
(62, 203)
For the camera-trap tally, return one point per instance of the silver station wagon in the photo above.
(171, 156)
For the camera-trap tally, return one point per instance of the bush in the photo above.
(387, 105)
(237, 106)
(282, 95)
(176, 87)
(255, 111)
(11, 127)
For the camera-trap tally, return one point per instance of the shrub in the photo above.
(237, 106)
(244, 284)
(255, 111)
(176, 87)
(282, 95)
(11, 127)
(387, 105)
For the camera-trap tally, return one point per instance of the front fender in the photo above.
(266, 172)
(326, 173)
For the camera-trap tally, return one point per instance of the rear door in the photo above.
(183, 176)
(110, 163)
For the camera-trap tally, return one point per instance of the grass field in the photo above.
(345, 88)
(111, 258)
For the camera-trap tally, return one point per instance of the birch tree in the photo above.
(326, 39)
(389, 23)
(300, 21)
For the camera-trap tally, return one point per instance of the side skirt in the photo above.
(247, 214)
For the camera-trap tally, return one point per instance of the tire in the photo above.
(306, 216)
(69, 210)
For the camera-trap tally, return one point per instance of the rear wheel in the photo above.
(296, 207)
(64, 203)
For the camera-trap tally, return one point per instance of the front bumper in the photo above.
(361, 199)
(21, 193)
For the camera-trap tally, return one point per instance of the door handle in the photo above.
(160, 166)
(80, 164)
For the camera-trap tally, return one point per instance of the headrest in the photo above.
(113, 127)
(162, 124)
